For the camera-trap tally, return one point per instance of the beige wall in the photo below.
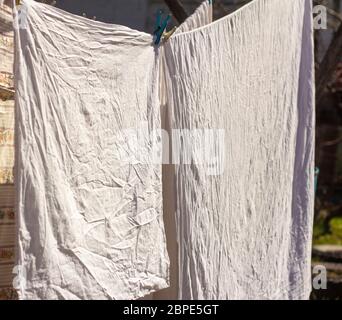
(7, 216)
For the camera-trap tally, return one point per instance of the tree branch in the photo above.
(177, 10)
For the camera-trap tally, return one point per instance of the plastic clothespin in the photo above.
(157, 26)
(160, 26)
(158, 20)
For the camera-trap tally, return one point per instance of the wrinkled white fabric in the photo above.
(89, 192)
(202, 16)
(244, 189)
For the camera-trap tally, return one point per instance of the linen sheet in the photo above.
(240, 95)
(89, 189)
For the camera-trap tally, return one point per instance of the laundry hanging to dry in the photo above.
(239, 95)
(89, 188)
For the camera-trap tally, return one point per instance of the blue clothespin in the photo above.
(158, 19)
(160, 26)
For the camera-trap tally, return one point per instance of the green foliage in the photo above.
(336, 226)
(333, 237)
